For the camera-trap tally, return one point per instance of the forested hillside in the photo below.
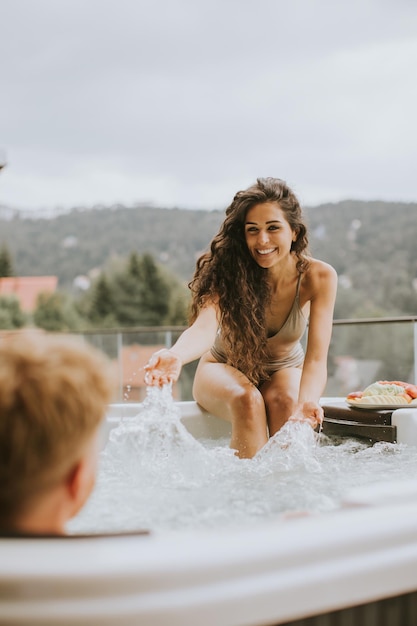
(77, 243)
(372, 245)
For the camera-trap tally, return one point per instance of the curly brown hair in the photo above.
(228, 274)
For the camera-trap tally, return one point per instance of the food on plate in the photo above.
(388, 392)
(383, 400)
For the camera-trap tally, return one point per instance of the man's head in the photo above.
(54, 392)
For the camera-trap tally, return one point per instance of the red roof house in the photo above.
(27, 289)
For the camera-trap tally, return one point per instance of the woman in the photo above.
(252, 295)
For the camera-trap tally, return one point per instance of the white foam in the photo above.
(155, 475)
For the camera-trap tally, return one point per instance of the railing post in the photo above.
(120, 363)
(168, 339)
(415, 351)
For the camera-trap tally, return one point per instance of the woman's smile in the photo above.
(266, 251)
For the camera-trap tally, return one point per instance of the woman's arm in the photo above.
(314, 376)
(165, 365)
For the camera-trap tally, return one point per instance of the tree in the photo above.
(6, 266)
(102, 303)
(56, 312)
(155, 293)
(141, 294)
(135, 292)
(11, 315)
(178, 311)
(128, 293)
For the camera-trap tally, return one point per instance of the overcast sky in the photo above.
(184, 102)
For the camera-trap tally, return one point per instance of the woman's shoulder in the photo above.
(319, 272)
(318, 267)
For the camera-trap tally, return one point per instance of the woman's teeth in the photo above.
(265, 251)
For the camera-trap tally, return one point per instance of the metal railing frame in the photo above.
(169, 331)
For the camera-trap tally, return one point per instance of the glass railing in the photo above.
(361, 351)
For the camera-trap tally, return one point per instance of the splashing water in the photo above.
(155, 475)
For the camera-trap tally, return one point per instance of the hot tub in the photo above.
(352, 565)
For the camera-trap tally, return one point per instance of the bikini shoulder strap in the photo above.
(298, 285)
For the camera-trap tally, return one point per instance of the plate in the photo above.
(382, 407)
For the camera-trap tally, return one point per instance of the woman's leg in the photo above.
(280, 394)
(225, 392)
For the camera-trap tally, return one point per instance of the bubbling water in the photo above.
(155, 475)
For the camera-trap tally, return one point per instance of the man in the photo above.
(54, 392)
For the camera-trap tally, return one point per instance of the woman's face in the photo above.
(268, 234)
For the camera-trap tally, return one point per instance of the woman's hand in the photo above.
(163, 367)
(310, 412)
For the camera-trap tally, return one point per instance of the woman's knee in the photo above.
(280, 401)
(246, 404)
(245, 396)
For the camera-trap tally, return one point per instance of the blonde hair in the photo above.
(54, 392)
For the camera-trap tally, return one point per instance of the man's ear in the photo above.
(80, 481)
(74, 480)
